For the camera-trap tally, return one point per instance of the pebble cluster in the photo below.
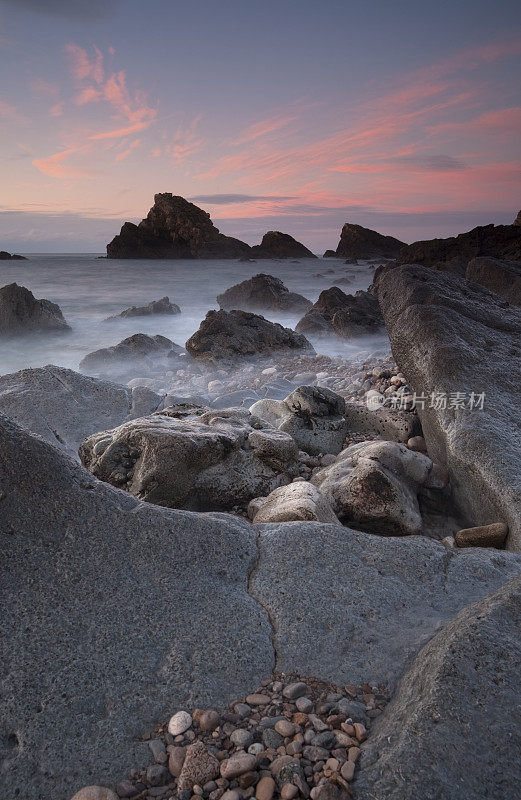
(292, 738)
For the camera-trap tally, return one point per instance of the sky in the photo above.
(292, 115)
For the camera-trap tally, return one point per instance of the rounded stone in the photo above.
(304, 705)
(237, 764)
(179, 723)
(288, 791)
(257, 699)
(265, 788)
(95, 793)
(285, 728)
(294, 690)
(209, 720)
(241, 738)
(176, 760)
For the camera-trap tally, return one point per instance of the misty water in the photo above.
(89, 289)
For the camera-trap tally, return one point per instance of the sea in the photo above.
(89, 289)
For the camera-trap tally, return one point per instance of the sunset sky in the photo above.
(296, 115)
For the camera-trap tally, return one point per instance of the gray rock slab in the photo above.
(353, 607)
(453, 337)
(114, 615)
(453, 729)
(64, 407)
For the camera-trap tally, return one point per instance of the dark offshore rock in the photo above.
(517, 220)
(329, 254)
(501, 277)
(5, 256)
(163, 306)
(203, 461)
(21, 312)
(359, 242)
(453, 730)
(454, 338)
(174, 228)
(344, 315)
(262, 293)
(453, 254)
(234, 334)
(280, 245)
(137, 354)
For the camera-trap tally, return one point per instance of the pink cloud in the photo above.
(119, 132)
(85, 66)
(125, 154)
(55, 165)
(11, 114)
(263, 128)
(88, 95)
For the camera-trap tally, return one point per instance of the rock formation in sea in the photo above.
(262, 293)
(359, 242)
(5, 256)
(138, 354)
(457, 340)
(453, 254)
(228, 335)
(343, 315)
(162, 306)
(280, 245)
(174, 228)
(21, 312)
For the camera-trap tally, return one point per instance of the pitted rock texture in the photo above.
(453, 338)
(21, 312)
(262, 293)
(229, 335)
(202, 461)
(174, 228)
(453, 729)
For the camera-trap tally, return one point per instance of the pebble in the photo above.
(265, 788)
(288, 791)
(199, 767)
(158, 750)
(156, 775)
(241, 738)
(209, 720)
(285, 728)
(176, 760)
(295, 690)
(179, 723)
(237, 764)
(347, 770)
(304, 704)
(257, 700)
(95, 793)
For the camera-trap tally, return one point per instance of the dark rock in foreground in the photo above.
(359, 242)
(456, 340)
(453, 254)
(163, 306)
(262, 293)
(233, 334)
(138, 354)
(344, 315)
(453, 730)
(280, 245)
(21, 312)
(5, 256)
(501, 277)
(174, 228)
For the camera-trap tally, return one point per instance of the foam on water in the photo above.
(89, 289)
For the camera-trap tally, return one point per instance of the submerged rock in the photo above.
(228, 335)
(453, 729)
(20, 312)
(193, 458)
(453, 340)
(280, 245)
(374, 486)
(359, 242)
(137, 354)
(453, 254)
(262, 293)
(174, 228)
(340, 314)
(163, 306)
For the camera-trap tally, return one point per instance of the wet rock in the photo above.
(21, 312)
(174, 228)
(262, 293)
(225, 335)
(163, 306)
(207, 461)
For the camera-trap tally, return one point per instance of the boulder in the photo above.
(374, 486)
(163, 306)
(359, 242)
(228, 335)
(392, 424)
(458, 341)
(262, 293)
(280, 245)
(21, 312)
(105, 602)
(501, 277)
(138, 354)
(299, 501)
(5, 256)
(453, 254)
(337, 313)
(202, 461)
(63, 407)
(311, 415)
(174, 228)
(453, 729)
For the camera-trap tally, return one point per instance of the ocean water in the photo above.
(89, 289)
